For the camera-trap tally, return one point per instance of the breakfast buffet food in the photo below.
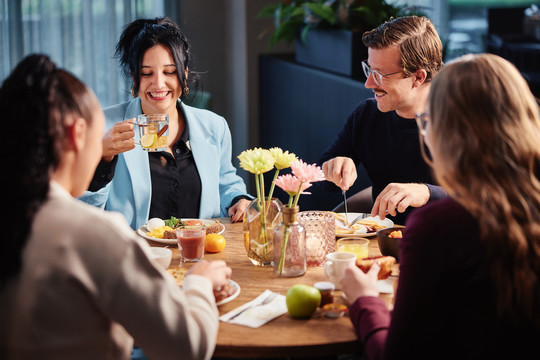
(386, 263)
(363, 226)
(224, 292)
(159, 232)
(161, 229)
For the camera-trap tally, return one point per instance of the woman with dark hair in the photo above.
(194, 177)
(469, 281)
(76, 282)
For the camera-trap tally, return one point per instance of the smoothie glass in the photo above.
(191, 242)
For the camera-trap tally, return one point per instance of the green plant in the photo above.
(304, 15)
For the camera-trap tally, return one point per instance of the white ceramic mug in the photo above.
(335, 266)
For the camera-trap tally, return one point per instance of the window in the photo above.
(468, 24)
(79, 35)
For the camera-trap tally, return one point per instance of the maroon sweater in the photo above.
(444, 304)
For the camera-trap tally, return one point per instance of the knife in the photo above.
(346, 212)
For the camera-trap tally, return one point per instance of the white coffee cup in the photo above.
(335, 266)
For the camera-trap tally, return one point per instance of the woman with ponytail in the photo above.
(76, 282)
(469, 282)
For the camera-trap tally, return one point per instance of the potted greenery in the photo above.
(329, 32)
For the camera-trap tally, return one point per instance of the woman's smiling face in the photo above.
(159, 88)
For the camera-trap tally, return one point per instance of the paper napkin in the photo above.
(386, 286)
(257, 315)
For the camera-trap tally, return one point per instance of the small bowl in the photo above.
(389, 246)
(162, 256)
(334, 310)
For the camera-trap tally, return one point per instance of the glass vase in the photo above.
(290, 245)
(260, 219)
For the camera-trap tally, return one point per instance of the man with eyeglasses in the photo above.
(404, 55)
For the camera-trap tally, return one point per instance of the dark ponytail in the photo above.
(35, 100)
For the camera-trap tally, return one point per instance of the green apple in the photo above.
(302, 300)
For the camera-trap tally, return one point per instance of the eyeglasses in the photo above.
(422, 120)
(377, 76)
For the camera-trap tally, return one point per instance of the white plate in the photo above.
(143, 230)
(235, 285)
(386, 222)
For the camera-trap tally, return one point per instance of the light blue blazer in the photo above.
(130, 191)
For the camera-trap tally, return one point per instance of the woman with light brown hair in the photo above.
(469, 283)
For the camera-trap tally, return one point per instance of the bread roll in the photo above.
(386, 263)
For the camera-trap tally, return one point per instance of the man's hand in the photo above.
(118, 139)
(341, 171)
(399, 197)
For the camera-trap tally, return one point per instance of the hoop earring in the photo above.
(133, 93)
(186, 91)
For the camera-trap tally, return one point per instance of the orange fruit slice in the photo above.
(214, 243)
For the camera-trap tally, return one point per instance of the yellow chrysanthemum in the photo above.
(257, 160)
(283, 159)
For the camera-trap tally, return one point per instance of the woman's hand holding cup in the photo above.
(118, 139)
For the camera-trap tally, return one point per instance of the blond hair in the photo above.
(418, 41)
(485, 143)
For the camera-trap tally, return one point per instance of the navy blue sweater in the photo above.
(387, 145)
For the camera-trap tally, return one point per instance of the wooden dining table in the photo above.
(284, 336)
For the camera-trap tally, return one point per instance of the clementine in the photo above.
(214, 243)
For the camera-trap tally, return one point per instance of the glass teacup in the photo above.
(153, 131)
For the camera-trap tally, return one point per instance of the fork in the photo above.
(267, 300)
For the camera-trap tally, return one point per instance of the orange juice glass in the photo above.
(357, 246)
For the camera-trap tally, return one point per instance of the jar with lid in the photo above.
(326, 289)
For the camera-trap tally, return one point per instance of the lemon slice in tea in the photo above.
(161, 142)
(152, 128)
(147, 140)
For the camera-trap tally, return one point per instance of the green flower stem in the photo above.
(298, 194)
(272, 189)
(281, 263)
(258, 187)
(263, 211)
(273, 185)
(291, 199)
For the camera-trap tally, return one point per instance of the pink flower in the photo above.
(307, 173)
(290, 184)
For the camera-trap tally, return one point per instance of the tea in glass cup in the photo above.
(153, 131)
(191, 242)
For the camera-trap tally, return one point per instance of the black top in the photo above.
(387, 145)
(176, 185)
